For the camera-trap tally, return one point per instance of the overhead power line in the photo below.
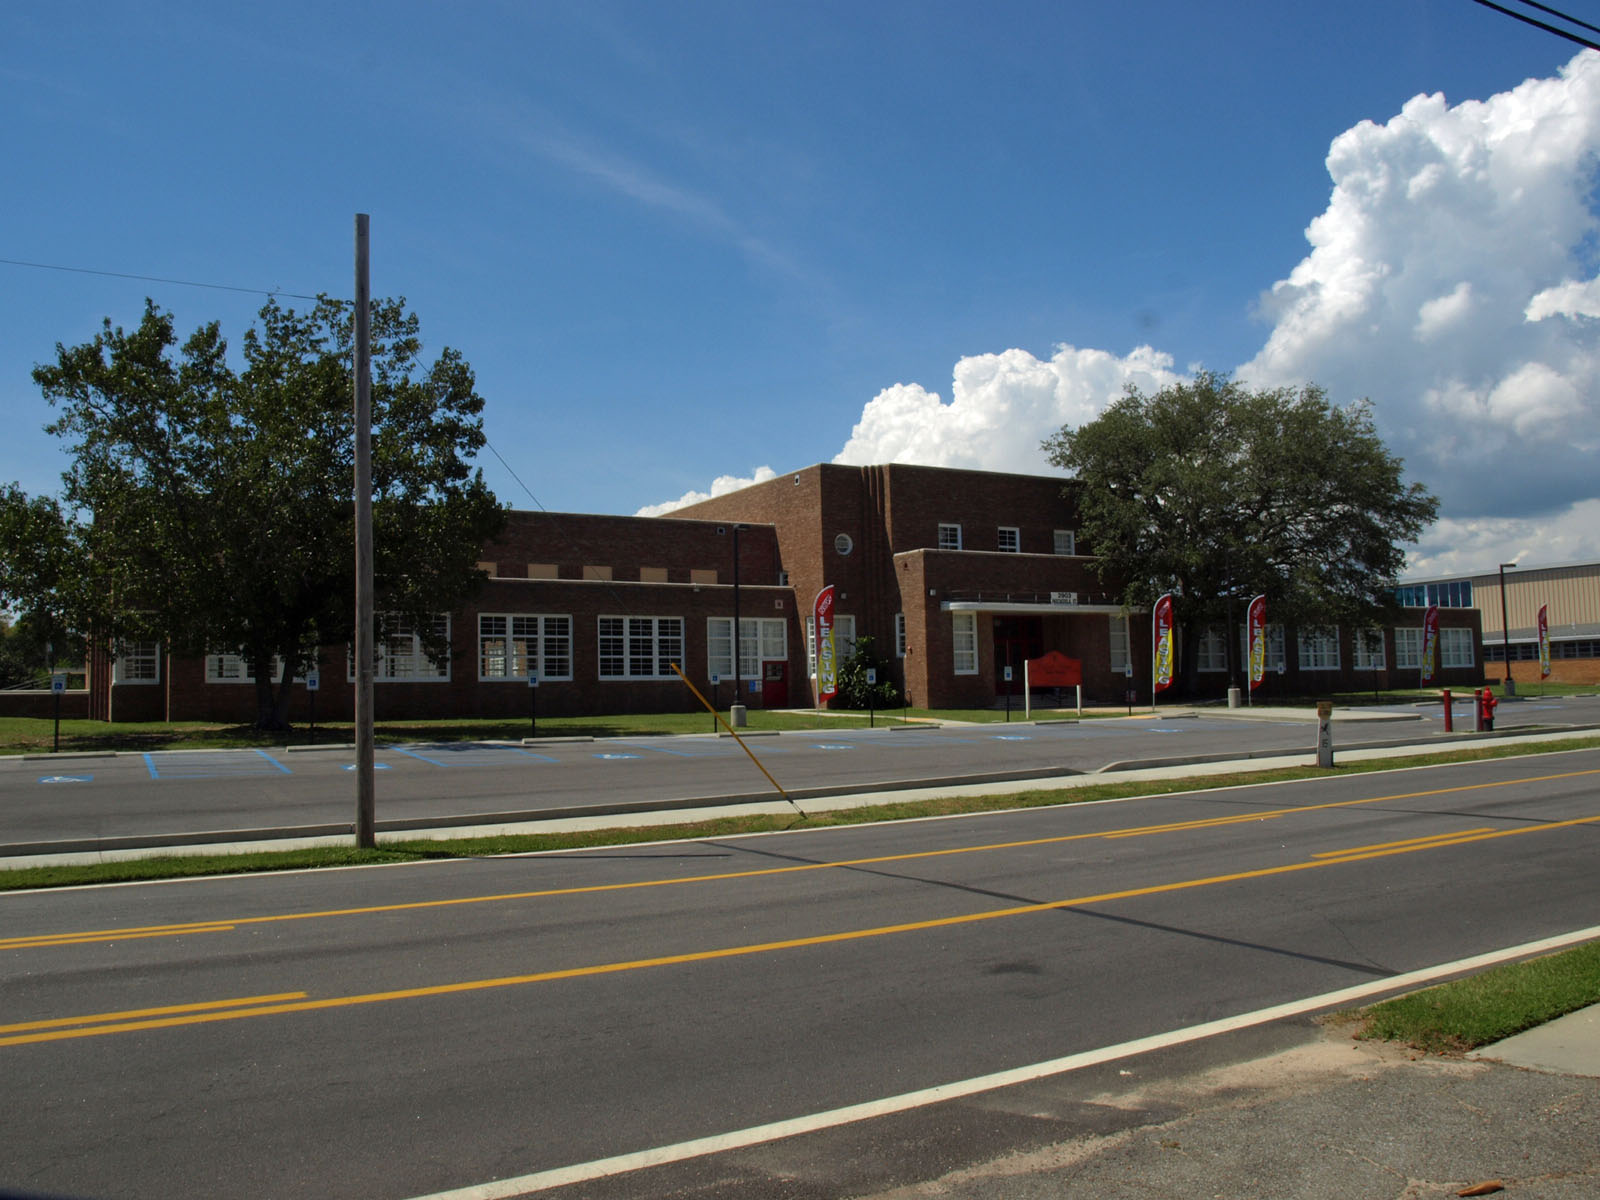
(1548, 28)
(219, 287)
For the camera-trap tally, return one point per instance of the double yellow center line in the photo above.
(103, 1024)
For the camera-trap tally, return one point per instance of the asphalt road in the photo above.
(78, 803)
(395, 1032)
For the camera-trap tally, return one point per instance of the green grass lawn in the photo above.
(1467, 1013)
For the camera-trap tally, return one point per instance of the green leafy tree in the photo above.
(1216, 492)
(854, 690)
(211, 508)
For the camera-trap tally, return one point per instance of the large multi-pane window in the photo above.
(1273, 658)
(1211, 654)
(1065, 541)
(964, 642)
(1456, 593)
(1119, 643)
(949, 536)
(761, 639)
(1010, 539)
(1455, 648)
(640, 647)
(1319, 649)
(1366, 650)
(399, 655)
(900, 635)
(137, 662)
(1408, 649)
(235, 668)
(844, 641)
(511, 645)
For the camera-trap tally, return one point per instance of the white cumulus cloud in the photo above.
(1001, 407)
(1446, 281)
(720, 486)
(1451, 279)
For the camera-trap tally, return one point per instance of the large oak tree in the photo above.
(212, 508)
(1216, 492)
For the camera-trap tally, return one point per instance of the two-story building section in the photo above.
(957, 575)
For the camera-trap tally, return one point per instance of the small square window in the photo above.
(1066, 542)
(949, 537)
(1010, 539)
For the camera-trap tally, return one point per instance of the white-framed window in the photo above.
(229, 668)
(949, 536)
(761, 639)
(512, 644)
(1367, 651)
(640, 647)
(844, 636)
(1273, 661)
(1408, 648)
(1455, 648)
(235, 668)
(844, 641)
(1319, 649)
(1118, 630)
(137, 662)
(964, 642)
(900, 635)
(399, 656)
(1010, 540)
(1066, 541)
(1211, 655)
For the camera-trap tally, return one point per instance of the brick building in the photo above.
(956, 575)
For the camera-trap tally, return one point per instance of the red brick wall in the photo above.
(74, 704)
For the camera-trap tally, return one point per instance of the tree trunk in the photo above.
(271, 708)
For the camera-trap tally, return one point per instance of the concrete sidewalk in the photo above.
(1329, 1117)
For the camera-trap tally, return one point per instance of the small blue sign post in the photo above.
(58, 684)
(533, 703)
(313, 684)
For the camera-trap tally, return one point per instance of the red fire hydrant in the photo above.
(1486, 706)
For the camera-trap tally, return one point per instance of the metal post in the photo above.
(736, 710)
(1505, 628)
(366, 800)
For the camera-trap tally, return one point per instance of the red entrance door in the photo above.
(774, 685)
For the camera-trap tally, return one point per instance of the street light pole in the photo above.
(1505, 628)
(736, 709)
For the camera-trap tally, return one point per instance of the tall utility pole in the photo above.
(366, 805)
(1505, 628)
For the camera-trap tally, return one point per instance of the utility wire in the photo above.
(220, 287)
(1561, 33)
(1554, 12)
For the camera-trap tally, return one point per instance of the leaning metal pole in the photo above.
(366, 806)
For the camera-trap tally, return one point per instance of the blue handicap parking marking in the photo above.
(66, 778)
(377, 766)
(830, 746)
(1012, 737)
(610, 756)
(1160, 729)
(207, 764)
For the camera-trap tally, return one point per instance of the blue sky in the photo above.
(687, 241)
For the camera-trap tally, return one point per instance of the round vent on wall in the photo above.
(843, 544)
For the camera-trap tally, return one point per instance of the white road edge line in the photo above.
(556, 1177)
